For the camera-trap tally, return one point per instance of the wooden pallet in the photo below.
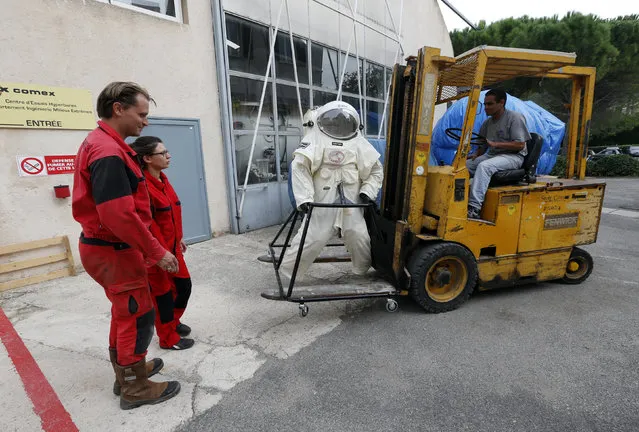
(61, 243)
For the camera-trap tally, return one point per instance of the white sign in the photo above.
(31, 166)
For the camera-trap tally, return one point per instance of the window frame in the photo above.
(178, 18)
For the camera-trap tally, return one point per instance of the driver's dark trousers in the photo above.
(483, 168)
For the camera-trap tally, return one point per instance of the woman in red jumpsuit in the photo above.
(170, 292)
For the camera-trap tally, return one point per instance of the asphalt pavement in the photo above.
(546, 357)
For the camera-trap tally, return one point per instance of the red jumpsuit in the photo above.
(170, 292)
(111, 203)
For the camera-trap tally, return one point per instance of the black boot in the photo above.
(184, 343)
(183, 330)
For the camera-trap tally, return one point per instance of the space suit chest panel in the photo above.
(339, 156)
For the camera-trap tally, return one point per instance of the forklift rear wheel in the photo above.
(579, 267)
(443, 276)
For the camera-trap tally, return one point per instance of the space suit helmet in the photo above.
(338, 120)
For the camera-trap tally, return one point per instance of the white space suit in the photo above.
(333, 155)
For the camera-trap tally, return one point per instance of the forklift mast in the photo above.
(408, 140)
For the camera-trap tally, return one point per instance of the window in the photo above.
(325, 69)
(288, 144)
(245, 100)
(374, 112)
(169, 9)
(350, 76)
(263, 164)
(288, 111)
(251, 40)
(284, 58)
(322, 98)
(375, 81)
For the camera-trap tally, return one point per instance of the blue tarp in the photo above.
(538, 120)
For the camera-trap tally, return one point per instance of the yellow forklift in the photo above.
(423, 243)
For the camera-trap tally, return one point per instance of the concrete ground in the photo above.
(539, 358)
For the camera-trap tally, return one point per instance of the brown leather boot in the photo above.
(137, 390)
(152, 367)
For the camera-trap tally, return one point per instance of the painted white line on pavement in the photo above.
(619, 281)
(621, 212)
(613, 258)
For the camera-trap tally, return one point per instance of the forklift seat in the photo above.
(527, 172)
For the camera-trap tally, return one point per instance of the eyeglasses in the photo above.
(164, 153)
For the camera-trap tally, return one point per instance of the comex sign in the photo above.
(27, 91)
(42, 107)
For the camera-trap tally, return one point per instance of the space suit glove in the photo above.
(304, 208)
(365, 198)
(368, 200)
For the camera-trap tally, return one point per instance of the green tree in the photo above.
(612, 46)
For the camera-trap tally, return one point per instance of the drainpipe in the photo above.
(224, 85)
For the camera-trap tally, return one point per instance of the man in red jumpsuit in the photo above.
(111, 203)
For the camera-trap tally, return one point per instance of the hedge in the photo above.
(609, 166)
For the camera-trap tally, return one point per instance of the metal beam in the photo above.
(459, 14)
(224, 91)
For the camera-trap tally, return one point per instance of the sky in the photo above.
(494, 10)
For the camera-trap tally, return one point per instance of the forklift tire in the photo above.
(443, 276)
(579, 267)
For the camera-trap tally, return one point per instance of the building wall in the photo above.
(86, 44)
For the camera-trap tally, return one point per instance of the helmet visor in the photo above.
(338, 123)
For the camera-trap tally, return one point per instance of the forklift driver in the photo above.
(506, 135)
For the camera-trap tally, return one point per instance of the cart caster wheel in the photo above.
(391, 305)
(303, 310)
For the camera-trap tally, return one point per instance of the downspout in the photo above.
(224, 85)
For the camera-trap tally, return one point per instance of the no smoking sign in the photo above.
(34, 166)
(31, 166)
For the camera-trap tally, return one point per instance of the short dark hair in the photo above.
(145, 146)
(499, 94)
(119, 91)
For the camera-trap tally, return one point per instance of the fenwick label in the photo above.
(559, 221)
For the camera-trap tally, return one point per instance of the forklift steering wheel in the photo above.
(455, 133)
